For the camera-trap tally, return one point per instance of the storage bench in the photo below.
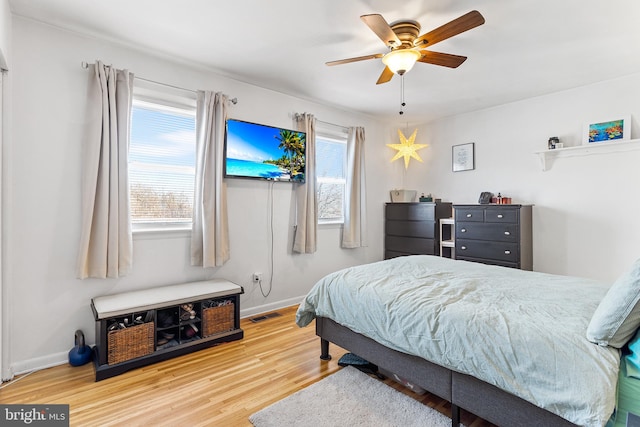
(141, 327)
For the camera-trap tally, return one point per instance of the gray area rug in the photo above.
(348, 398)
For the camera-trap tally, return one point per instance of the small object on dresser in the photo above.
(485, 198)
(427, 198)
(403, 196)
(502, 200)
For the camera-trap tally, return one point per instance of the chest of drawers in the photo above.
(413, 228)
(494, 234)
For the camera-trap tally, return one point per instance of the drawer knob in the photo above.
(506, 233)
(463, 247)
(507, 252)
(500, 216)
(469, 215)
(463, 230)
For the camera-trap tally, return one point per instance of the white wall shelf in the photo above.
(547, 156)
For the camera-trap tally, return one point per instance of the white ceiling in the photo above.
(526, 47)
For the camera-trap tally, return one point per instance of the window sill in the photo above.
(331, 224)
(146, 233)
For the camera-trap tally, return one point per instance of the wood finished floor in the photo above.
(219, 386)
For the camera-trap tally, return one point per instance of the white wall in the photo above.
(5, 33)
(47, 302)
(5, 59)
(585, 215)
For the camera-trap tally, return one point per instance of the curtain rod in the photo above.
(85, 65)
(343, 128)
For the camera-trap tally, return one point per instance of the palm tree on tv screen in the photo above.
(292, 143)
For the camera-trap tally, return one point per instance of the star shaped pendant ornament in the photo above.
(407, 148)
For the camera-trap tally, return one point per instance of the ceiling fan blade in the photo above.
(450, 29)
(444, 59)
(385, 76)
(382, 29)
(358, 58)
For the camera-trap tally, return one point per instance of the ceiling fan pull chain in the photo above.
(402, 103)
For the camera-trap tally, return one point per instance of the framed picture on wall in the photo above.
(463, 157)
(612, 130)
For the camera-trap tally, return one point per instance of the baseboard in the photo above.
(249, 312)
(38, 363)
(56, 359)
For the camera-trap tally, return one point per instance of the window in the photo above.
(331, 155)
(162, 162)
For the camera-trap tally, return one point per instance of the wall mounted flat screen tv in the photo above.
(258, 151)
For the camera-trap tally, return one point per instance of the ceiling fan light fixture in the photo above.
(400, 61)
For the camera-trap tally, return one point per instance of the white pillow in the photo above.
(618, 315)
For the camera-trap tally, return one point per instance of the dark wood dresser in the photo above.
(494, 234)
(413, 228)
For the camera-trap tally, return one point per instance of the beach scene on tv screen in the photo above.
(259, 151)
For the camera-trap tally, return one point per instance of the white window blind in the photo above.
(161, 164)
(331, 154)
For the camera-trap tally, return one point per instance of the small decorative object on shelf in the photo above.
(427, 198)
(611, 130)
(553, 143)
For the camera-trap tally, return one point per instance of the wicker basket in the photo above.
(129, 343)
(219, 319)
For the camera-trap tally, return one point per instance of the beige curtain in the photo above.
(210, 230)
(106, 243)
(304, 240)
(355, 210)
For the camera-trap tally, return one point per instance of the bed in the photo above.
(507, 345)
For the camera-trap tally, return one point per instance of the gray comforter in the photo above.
(521, 331)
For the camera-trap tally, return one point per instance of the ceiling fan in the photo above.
(406, 47)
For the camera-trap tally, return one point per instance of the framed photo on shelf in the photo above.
(463, 157)
(613, 130)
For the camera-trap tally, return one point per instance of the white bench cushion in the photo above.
(148, 299)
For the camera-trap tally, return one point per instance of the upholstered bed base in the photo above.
(463, 391)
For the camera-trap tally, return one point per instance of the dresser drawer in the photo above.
(469, 214)
(503, 251)
(501, 215)
(424, 229)
(490, 262)
(487, 231)
(410, 211)
(410, 245)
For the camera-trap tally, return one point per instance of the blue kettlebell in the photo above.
(80, 354)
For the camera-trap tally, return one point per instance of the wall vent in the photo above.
(265, 317)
